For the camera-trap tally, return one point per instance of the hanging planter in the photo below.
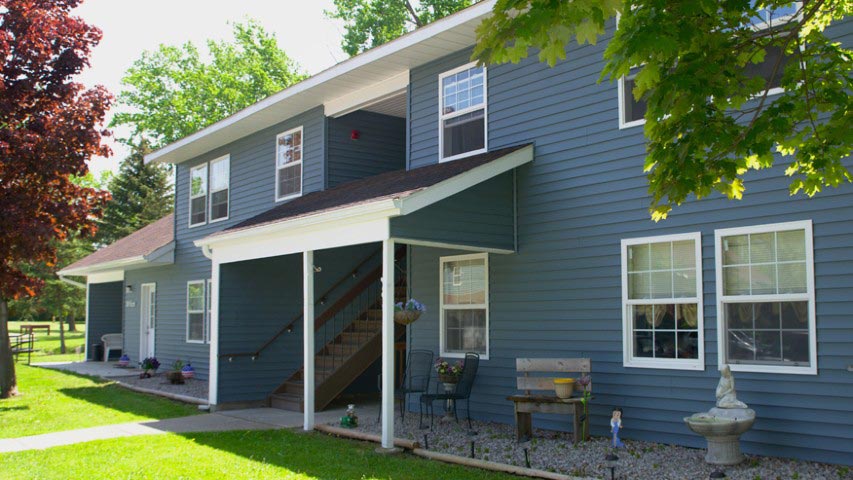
(406, 314)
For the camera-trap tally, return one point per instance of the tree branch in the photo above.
(415, 18)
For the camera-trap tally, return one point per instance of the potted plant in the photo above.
(564, 387)
(188, 371)
(149, 366)
(406, 314)
(447, 372)
(124, 361)
(176, 375)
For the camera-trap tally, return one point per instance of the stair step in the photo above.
(295, 387)
(366, 326)
(286, 401)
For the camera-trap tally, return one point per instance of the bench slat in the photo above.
(576, 365)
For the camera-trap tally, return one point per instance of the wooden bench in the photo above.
(31, 328)
(528, 404)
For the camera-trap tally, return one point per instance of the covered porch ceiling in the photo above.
(471, 207)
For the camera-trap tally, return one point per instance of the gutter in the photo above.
(77, 284)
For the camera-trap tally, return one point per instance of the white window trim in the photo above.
(442, 117)
(622, 123)
(206, 190)
(301, 162)
(210, 219)
(208, 313)
(203, 311)
(805, 225)
(456, 258)
(628, 359)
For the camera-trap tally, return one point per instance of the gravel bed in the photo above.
(553, 451)
(192, 387)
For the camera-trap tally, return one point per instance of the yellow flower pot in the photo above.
(564, 387)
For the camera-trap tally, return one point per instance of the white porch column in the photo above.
(308, 338)
(388, 343)
(213, 374)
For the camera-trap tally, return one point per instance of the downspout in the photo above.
(77, 284)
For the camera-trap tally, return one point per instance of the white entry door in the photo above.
(147, 321)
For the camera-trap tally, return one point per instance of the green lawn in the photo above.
(53, 401)
(47, 346)
(273, 454)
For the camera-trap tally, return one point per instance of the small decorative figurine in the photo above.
(350, 420)
(124, 361)
(188, 371)
(726, 394)
(616, 426)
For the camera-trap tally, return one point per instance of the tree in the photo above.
(173, 92)
(48, 130)
(708, 121)
(141, 194)
(370, 23)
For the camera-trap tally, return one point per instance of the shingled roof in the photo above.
(138, 245)
(390, 185)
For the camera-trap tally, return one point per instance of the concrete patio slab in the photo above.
(94, 369)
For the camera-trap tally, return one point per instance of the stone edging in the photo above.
(414, 447)
(160, 393)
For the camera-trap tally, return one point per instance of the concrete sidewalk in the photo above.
(249, 419)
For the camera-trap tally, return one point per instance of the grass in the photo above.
(47, 346)
(266, 454)
(53, 401)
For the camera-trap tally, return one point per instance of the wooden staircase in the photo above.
(350, 352)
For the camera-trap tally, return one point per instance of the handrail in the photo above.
(332, 310)
(320, 300)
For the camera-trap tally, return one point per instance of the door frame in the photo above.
(145, 317)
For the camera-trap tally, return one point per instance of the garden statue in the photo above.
(350, 420)
(615, 427)
(726, 394)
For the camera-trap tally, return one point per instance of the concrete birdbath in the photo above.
(723, 425)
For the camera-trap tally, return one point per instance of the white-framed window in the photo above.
(220, 181)
(464, 310)
(632, 112)
(662, 302)
(195, 311)
(288, 164)
(462, 114)
(765, 298)
(198, 195)
(209, 312)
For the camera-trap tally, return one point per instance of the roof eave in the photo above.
(161, 256)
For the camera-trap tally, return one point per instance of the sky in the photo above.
(132, 26)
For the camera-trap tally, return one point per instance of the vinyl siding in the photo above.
(104, 313)
(560, 295)
(480, 216)
(257, 299)
(252, 191)
(380, 147)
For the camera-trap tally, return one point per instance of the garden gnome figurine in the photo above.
(350, 420)
(616, 426)
(726, 394)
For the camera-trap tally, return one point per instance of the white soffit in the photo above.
(436, 40)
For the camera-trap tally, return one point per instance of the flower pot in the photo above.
(188, 371)
(564, 387)
(123, 361)
(446, 378)
(406, 317)
(175, 377)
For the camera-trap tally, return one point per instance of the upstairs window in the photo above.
(462, 112)
(198, 195)
(288, 164)
(765, 298)
(662, 302)
(220, 178)
(632, 112)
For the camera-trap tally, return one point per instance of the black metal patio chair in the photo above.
(461, 392)
(415, 379)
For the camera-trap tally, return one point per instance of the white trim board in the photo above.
(451, 33)
(367, 96)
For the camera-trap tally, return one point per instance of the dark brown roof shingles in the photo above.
(141, 242)
(396, 184)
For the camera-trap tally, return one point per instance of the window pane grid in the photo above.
(289, 164)
(764, 263)
(195, 311)
(665, 331)
(464, 305)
